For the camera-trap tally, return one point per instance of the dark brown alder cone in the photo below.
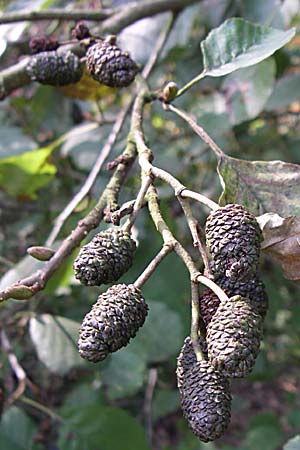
(109, 65)
(187, 358)
(233, 238)
(253, 289)
(206, 401)
(113, 320)
(42, 44)
(233, 337)
(55, 69)
(105, 258)
(81, 31)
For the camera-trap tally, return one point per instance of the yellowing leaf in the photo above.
(24, 174)
(87, 89)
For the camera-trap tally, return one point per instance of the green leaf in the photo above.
(162, 334)
(55, 339)
(238, 43)
(16, 430)
(100, 428)
(247, 90)
(286, 91)
(261, 186)
(165, 401)
(264, 437)
(293, 444)
(262, 12)
(24, 174)
(124, 374)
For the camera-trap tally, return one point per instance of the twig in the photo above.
(152, 380)
(145, 156)
(138, 204)
(17, 369)
(194, 229)
(195, 320)
(110, 142)
(136, 10)
(56, 14)
(87, 185)
(164, 251)
(16, 76)
(223, 297)
(37, 281)
(40, 407)
(115, 216)
(197, 128)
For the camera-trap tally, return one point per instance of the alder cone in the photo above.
(233, 237)
(55, 69)
(109, 65)
(187, 359)
(105, 258)
(233, 337)
(113, 320)
(206, 401)
(253, 289)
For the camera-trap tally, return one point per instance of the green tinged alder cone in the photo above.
(55, 69)
(233, 337)
(206, 401)
(105, 258)
(187, 359)
(109, 65)
(253, 289)
(233, 237)
(113, 320)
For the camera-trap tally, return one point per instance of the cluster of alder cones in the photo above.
(233, 327)
(105, 61)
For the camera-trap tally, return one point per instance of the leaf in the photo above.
(238, 43)
(13, 141)
(261, 186)
(26, 429)
(162, 334)
(262, 12)
(165, 401)
(22, 269)
(286, 91)
(124, 374)
(293, 444)
(87, 89)
(100, 428)
(55, 340)
(281, 242)
(247, 90)
(268, 437)
(24, 174)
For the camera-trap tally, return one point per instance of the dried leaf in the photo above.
(282, 242)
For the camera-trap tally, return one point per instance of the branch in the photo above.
(90, 180)
(134, 11)
(164, 251)
(37, 281)
(16, 75)
(56, 14)
(16, 367)
(197, 128)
